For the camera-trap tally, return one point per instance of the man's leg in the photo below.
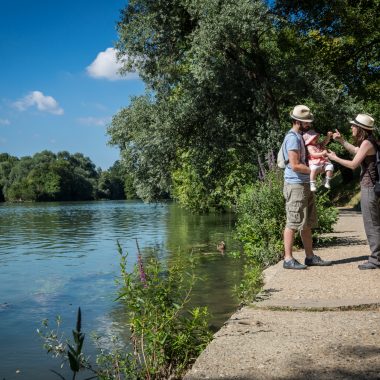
(292, 194)
(307, 240)
(311, 259)
(288, 243)
(289, 261)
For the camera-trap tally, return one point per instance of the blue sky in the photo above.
(58, 77)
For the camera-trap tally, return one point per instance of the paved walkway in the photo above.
(321, 323)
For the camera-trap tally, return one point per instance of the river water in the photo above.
(55, 257)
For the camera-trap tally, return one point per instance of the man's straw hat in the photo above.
(302, 113)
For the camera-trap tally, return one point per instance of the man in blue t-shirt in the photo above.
(301, 212)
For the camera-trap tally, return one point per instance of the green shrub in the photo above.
(327, 214)
(251, 282)
(167, 334)
(261, 219)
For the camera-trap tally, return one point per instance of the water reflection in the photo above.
(55, 257)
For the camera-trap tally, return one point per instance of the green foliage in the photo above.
(209, 187)
(261, 218)
(47, 176)
(327, 214)
(74, 353)
(343, 36)
(129, 187)
(251, 283)
(60, 177)
(53, 339)
(201, 107)
(222, 77)
(70, 352)
(147, 151)
(117, 363)
(114, 183)
(188, 187)
(167, 335)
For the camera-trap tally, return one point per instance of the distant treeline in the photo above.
(47, 176)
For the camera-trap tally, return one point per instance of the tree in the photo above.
(344, 36)
(222, 77)
(47, 177)
(112, 184)
(6, 163)
(201, 107)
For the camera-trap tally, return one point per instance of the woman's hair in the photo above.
(362, 135)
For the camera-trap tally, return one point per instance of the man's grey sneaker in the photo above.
(316, 261)
(368, 265)
(293, 264)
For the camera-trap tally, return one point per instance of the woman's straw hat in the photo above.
(364, 121)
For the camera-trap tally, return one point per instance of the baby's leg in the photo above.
(329, 173)
(313, 177)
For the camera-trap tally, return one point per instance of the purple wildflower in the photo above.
(142, 272)
(270, 160)
(261, 169)
(273, 158)
(141, 266)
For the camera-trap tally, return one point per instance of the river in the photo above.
(55, 257)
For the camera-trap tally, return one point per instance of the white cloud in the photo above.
(96, 121)
(4, 122)
(42, 102)
(106, 66)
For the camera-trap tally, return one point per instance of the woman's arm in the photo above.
(365, 148)
(349, 147)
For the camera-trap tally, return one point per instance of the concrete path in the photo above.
(320, 323)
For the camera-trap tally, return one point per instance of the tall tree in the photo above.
(344, 36)
(221, 78)
(48, 176)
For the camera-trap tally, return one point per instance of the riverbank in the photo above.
(321, 323)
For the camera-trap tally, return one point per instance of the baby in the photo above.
(318, 161)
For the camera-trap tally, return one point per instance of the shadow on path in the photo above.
(349, 260)
(340, 241)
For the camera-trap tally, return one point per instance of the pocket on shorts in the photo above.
(294, 214)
